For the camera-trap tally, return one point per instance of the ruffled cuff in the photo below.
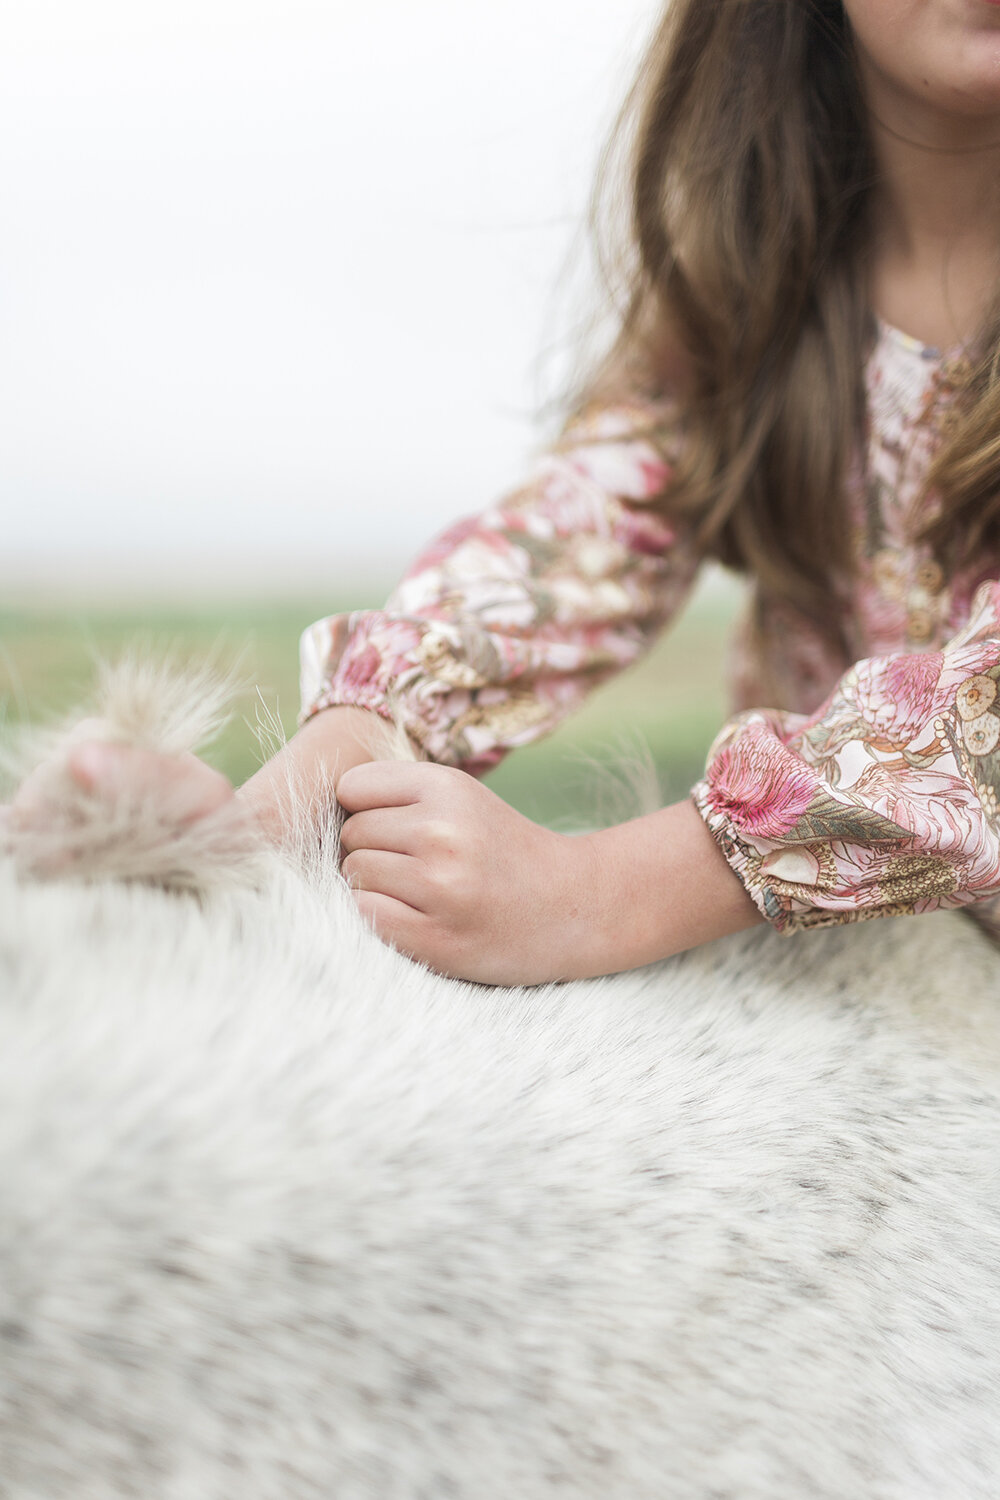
(339, 667)
(796, 886)
(447, 684)
(745, 863)
(813, 855)
(377, 660)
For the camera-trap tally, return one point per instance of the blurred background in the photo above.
(284, 287)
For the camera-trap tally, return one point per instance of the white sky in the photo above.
(274, 274)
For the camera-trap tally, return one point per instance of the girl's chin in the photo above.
(965, 105)
(968, 82)
(945, 60)
(971, 102)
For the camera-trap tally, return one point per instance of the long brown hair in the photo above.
(744, 285)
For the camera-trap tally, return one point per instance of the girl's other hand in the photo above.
(450, 874)
(93, 807)
(184, 787)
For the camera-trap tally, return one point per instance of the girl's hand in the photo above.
(449, 873)
(184, 787)
(100, 808)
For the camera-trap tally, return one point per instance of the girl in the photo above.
(808, 180)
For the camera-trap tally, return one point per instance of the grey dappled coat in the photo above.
(284, 1215)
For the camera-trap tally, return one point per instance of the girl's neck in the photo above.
(937, 247)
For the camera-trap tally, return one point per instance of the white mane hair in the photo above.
(285, 1216)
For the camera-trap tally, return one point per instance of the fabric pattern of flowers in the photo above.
(883, 801)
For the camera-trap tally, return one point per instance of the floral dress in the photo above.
(869, 787)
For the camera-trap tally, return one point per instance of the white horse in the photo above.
(285, 1216)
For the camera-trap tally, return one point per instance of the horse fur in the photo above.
(285, 1216)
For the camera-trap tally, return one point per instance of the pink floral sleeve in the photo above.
(507, 621)
(882, 802)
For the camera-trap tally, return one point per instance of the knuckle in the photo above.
(449, 874)
(444, 885)
(439, 833)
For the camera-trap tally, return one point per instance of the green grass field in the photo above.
(673, 701)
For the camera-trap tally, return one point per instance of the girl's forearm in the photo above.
(661, 884)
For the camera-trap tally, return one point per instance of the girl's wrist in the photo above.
(311, 763)
(340, 732)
